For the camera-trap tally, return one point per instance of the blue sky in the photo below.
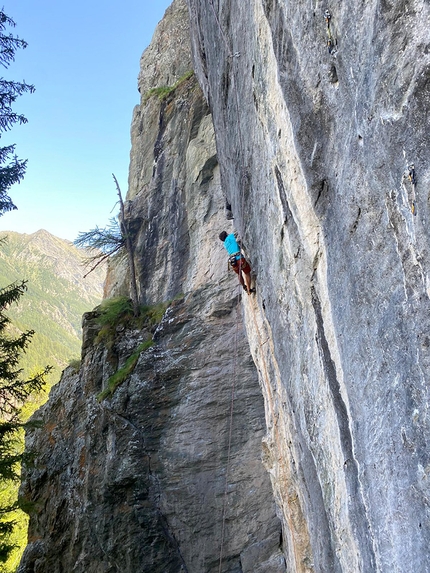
(83, 58)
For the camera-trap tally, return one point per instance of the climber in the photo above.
(237, 261)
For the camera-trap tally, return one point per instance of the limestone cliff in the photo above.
(322, 129)
(166, 476)
(320, 117)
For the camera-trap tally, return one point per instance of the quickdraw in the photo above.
(331, 42)
(412, 177)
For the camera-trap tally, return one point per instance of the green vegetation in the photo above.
(17, 537)
(102, 243)
(117, 312)
(12, 169)
(53, 305)
(75, 363)
(14, 388)
(56, 298)
(120, 375)
(114, 312)
(14, 394)
(163, 92)
(110, 240)
(152, 315)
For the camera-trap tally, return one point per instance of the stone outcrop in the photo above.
(166, 476)
(137, 483)
(320, 118)
(315, 144)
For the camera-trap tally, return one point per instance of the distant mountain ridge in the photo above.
(57, 295)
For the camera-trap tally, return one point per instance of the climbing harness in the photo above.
(331, 42)
(234, 258)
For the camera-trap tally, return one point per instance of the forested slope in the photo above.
(57, 296)
(53, 306)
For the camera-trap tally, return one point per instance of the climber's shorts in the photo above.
(240, 263)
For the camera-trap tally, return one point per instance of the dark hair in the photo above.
(223, 236)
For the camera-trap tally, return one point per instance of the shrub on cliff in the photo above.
(108, 241)
(119, 313)
(163, 92)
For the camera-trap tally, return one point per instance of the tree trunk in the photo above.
(129, 249)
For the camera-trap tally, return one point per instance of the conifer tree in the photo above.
(13, 393)
(13, 389)
(12, 169)
(110, 240)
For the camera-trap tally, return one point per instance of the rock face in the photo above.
(321, 127)
(137, 483)
(315, 144)
(167, 475)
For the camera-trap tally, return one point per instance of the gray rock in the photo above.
(147, 481)
(313, 145)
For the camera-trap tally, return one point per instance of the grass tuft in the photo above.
(163, 92)
(113, 310)
(75, 363)
(120, 375)
(119, 311)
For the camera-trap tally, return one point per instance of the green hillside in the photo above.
(56, 299)
(53, 306)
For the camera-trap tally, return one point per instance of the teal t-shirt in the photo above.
(231, 245)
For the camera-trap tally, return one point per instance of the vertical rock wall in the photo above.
(318, 120)
(322, 142)
(166, 476)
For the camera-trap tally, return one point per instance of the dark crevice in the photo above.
(225, 82)
(322, 192)
(324, 552)
(356, 504)
(286, 211)
(200, 110)
(355, 224)
(158, 146)
(332, 75)
(170, 537)
(330, 372)
(207, 172)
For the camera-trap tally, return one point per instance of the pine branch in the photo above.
(101, 259)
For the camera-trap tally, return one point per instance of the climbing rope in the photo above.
(220, 28)
(230, 433)
(234, 58)
(264, 372)
(242, 180)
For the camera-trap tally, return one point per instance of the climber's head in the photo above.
(223, 236)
